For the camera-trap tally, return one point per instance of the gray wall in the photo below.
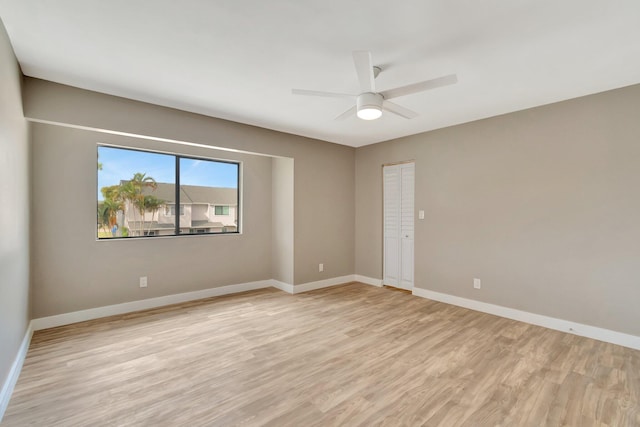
(282, 220)
(14, 218)
(542, 205)
(72, 271)
(323, 172)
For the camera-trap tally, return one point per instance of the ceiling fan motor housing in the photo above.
(369, 105)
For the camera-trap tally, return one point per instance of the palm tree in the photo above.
(141, 180)
(108, 209)
(152, 204)
(133, 191)
(130, 194)
(108, 212)
(112, 192)
(103, 218)
(127, 192)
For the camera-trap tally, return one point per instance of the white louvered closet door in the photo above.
(398, 189)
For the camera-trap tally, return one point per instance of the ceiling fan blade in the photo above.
(420, 86)
(320, 93)
(399, 110)
(350, 112)
(364, 69)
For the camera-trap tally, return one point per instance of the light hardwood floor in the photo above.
(348, 355)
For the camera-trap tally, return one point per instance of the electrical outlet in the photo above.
(320, 268)
(143, 281)
(477, 284)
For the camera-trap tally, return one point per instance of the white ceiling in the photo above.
(239, 60)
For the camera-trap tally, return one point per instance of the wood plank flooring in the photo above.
(351, 355)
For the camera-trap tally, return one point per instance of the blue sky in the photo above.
(119, 164)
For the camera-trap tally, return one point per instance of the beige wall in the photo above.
(72, 271)
(14, 216)
(542, 205)
(282, 219)
(323, 171)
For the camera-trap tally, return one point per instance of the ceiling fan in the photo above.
(369, 103)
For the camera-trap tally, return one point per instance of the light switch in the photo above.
(420, 214)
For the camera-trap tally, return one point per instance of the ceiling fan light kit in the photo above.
(369, 106)
(369, 103)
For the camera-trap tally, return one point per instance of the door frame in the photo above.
(402, 162)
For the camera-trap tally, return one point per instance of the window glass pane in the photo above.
(136, 190)
(209, 193)
(136, 195)
(222, 210)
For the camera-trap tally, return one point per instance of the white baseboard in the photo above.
(128, 307)
(600, 334)
(588, 331)
(368, 280)
(14, 372)
(285, 287)
(310, 286)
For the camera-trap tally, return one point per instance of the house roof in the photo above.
(195, 194)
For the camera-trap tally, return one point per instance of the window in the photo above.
(170, 210)
(138, 192)
(222, 210)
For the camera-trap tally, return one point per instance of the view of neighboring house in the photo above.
(202, 210)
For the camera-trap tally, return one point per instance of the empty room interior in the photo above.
(319, 214)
